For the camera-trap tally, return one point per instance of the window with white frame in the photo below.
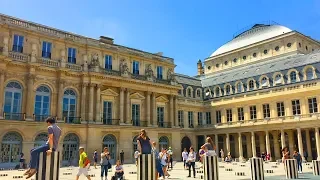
(217, 92)
(228, 90)
(229, 115)
(280, 109)
(240, 114)
(218, 117)
(253, 112)
(296, 107)
(266, 110)
(264, 82)
(189, 92)
(17, 43)
(135, 67)
(239, 87)
(277, 79)
(180, 118)
(313, 106)
(251, 85)
(198, 93)
(309, 74)
(190, 119)
(46, 49)
(293, 77)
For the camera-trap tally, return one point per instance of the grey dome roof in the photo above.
(257, 33)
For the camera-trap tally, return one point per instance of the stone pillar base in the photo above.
(123, 124)
(29, 119)
(155, 125)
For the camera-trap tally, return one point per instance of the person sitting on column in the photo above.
(118, 175)
(202, 153)
(54, 133)
(144, 143)
(228, 158)
(209, 147)
(285, 154)
(170, 157)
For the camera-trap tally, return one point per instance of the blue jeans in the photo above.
(35, 153)
(104, 169)
(299, 165)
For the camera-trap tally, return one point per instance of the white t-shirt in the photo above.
(136, 154)
(184, 155)
(163, 159)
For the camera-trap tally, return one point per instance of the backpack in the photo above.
(86, 162)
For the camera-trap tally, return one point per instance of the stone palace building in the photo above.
(257, 93)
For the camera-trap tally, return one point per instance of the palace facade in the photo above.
(257, 93)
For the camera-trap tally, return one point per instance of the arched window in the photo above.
(41, 139)
(163, 142)
(228, 90)
(11, 147)
(251, 85)
(69, 105)
(239, 87)
(12, 101)
(309, 73)
(42, 103)
(277, 79)
(264, 82)
(293, 77)
(189, 92)
(70, 149)
(217, 92)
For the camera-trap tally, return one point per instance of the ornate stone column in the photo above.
(176, 112)
(121, 106)
(2, 74)
(128, 120)
(98, 104)
(216, 141)
(34, 53)
(249, 149)
(227, 143)
(268, 149)
(316, 134)
(29, 104)
(253, 144)
(91, 94)
(148, 94)
(154, 110)
(83, 101)
(240, 146)
(308, 145)
(5, 46)
(283, 140)
(60, 100)
(276, 146)
(171, 121)
(300, 145)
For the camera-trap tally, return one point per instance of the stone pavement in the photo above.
(227, 171)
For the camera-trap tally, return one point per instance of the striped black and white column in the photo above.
(48, 166)
(256, 168)
(316, 167)
(211, 168)
(146, 167)
(291, 168)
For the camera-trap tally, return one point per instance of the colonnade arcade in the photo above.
(244, 145)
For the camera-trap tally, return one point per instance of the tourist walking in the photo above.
(95, 158)
(164, 162)
(222, 154)
(83, 162)
(170, 157)
(54, 133)
(184, 155)
(298, 157)
(159, 170)
(105, 163)
(22, 160)
(136, 156)
(192, 162)
(122, 157)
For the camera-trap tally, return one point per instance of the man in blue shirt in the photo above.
(54, 133)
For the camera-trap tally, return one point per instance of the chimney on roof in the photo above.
(106, 40)
(159, 53)
(200, 67)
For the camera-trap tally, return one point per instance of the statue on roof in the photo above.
(124, 70)
(95, 60)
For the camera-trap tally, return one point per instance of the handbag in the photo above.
(109, 165)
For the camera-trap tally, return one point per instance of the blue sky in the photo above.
(184, 30)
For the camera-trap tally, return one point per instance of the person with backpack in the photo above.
(83, 163)
(105, 163)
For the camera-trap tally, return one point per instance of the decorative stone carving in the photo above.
(5, 50)
(95, 60)
(85, 62)
(124, 69)
(170, 76)
(149, 73)
(34, 53)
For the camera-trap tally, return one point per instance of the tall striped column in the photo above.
(256, 168)
(146, 167)
(316, 167)
(48, 166)
(211, 168)
(291, 168)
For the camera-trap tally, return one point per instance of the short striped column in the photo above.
(316, 167)
(256, 168)
(48, 166)
(146, 167)
(211, 168)
(291, 168)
